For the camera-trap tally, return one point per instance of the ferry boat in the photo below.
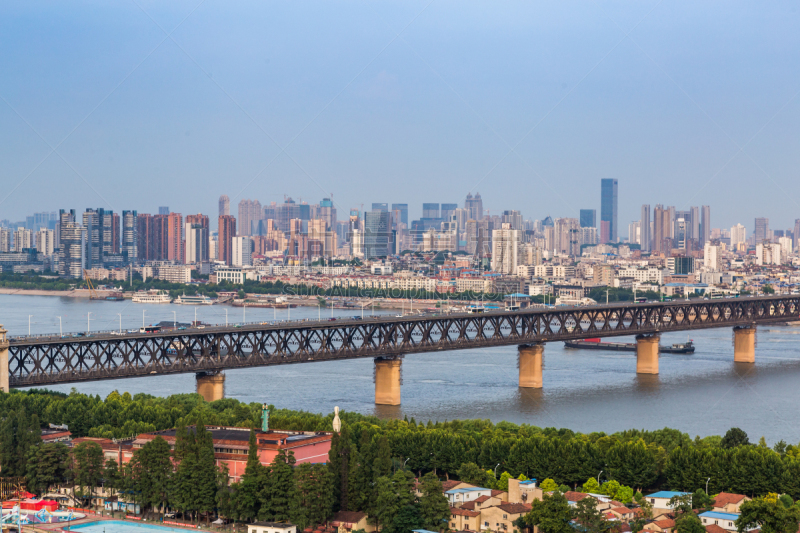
(198, 299)
(151, 297)
(596, 344)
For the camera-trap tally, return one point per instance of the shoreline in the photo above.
(74, 293)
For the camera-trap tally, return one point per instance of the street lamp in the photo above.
(404, 463)
(495, 470)
(88, 321)
(60, 328)
(29, 325)
(598, 477)
(226, 318)
(709, 479)
(120, 322)
(142, 318)
(174, 320)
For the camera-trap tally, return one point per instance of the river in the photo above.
(702, 394)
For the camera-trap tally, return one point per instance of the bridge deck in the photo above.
(50, 360)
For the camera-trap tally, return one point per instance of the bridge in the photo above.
(208, 351)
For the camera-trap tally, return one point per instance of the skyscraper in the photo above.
(327, 212)
(644, 229)
(163, 210)
(796, 234)
(224, 205)
(130, 237)
(227, 231)
(175, 237)
(380, 207)
(430, 210)
(72, 245)
(474, 206)
(447, 211)
(662, 227)
(705, 225)
(145, 245)
(588, 218)
(608, 210)
(514, 218)
(403, 208)
(249, 212)
(377, 234)
(196, 247)
(505, 249)
(761, 230)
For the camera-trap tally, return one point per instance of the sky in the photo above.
(138, 103)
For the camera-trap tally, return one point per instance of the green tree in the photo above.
(338, 463)
(502, 483)
(280, 491)
(701, 500)
(689, 523)
(204, 477)
(591, 486)
(548, 485)
(589, 517)
(155, 481)
(88, 467)
(184, 494)
(313, 502)
(768, 515)
(433, 505)
(735, 437)
(472, 474)
(111, 476)
(252, 482)
(47, 464)
(551, 514)
(384, 506)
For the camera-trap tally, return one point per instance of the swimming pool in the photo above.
(118, 526)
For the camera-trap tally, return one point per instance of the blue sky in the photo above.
(531, 104)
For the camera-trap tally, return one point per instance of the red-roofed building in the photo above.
(661, 526)
(714, 528)
(501, 517)
(725, 502)
(464, 519)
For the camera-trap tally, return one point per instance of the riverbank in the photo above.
(74, 293)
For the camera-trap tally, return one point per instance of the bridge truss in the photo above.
(35, 361)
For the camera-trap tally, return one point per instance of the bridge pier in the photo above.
(647, 353)
(744, 344)
(388, 379)
(211, 385)
(3, 360)
(530, 357)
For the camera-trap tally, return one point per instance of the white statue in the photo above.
(337, 424)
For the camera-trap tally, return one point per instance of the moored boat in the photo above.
(596, 344)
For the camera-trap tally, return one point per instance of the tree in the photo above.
(689, 523)
(88, 467)
(251, 483)
(591, 486)
(768, 515)
(407, 519)
(204, 477)
(384, 507)
(472, 474)
(589, 518)
(183, 489)
(155, 481)
(548, 485)
(313, 503)
(279, 492)
(47, 464)
(701, 500)
(338, 463)
(433, 505)
(681, 503)
(111, 476)
(551, 514)
(735, 437)
(768, 289)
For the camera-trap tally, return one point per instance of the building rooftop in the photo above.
(466, 489)
(720, 516)
(666, 494)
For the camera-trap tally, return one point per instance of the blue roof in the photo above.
(467, 489)
(518, 295)
(723, 516)
(422, 531)
(528, 482)
(666, 494)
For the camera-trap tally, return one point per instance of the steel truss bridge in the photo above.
(52, 360)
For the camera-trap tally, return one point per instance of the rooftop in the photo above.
(666, 494)
(720, 516)
(461, 491)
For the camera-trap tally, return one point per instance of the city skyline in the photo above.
(135, 118)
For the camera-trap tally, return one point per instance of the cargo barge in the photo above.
(596, 344)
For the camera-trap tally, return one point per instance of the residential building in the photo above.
(738, 235)
(430, 210)
(241, 250)
(23, 239)
(327, 212)
(645, 229)
(513, 218)
(196, 247)
(174, 238)
(130, 236)
(660, 500)
(725, 502)
(377, 234)
(271, 527)
(474, 206)
(711, 258)
(72, 246)
(249, 213)
(761, 231)
(726, 521)
(608, 210)
(227, 231)
(705, 225)
(45, 241)
(403, 208)
(505, 249)
(163, 210)
(5, 240)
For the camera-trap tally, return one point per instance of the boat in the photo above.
(151, 297)
(198, 299)
(596, 344)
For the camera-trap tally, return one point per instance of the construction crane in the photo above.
(92, 293)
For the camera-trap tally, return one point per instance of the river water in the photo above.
(702, 394)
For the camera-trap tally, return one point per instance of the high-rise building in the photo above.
(377, 234)
(447, 211)
(23, 239)
(796, 234)
(115, 233)
(694, 224)
(608, 210)
(174, 238)
(145, 237)
(241, 251)
(738, 235)
(514, 218)
(588, 218)
(403, 208)
(681, 233)
(45, 241)
(505, 249)
(380, 207)
(289, 210)
(130, 236)
(249, 212)
(227, 231)
(72, 245)
(163, 210)
(224, 205)
(327, 212)
(92, 225)
(761, 230)
(635, 232)
(200, 226)
(5, 240)
(430, 210)
(705, 225)
(644, 229)
(474, 206)
(662, 229)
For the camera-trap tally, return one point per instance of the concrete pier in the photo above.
(744, 344)
(211, 385)
(530, 358)
(647, 354)
(3, 360)
(388, 379)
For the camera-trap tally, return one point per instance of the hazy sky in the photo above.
(531, 104)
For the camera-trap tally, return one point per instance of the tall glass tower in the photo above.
(608, 211)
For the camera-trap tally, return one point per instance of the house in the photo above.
(458, 497)
(346, 521)
(666, 525)
(622, 513)
(726, 502)
(523, 491)
(660, 500)
(726, 521)
(713, 528)
(271, 527)
(464, 519)
(482, 503)
(501, 517)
